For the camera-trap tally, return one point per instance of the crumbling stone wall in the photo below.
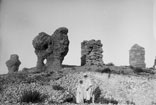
(52, 48)
(13, 63)
(91, 53)
(137, 56)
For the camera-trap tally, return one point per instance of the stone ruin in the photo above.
(52, 48)
(137, 56)
(91, 53)
(13, 63)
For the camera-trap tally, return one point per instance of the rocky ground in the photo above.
(113, 85)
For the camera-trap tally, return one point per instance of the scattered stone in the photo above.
(91, 53)
(13, 63)
(137, 56)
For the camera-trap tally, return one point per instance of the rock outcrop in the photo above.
(60, 49)
(13, 63)
(52, 48)
(91, 53)
(137, 56)
(43, 45)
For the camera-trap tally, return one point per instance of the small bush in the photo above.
(131, 67)
(1, 89)
(32, 96)
(110, 64)
(130, 103)
(57, 87)
(106, 70)
(97, 93)
(138, 70)
(113, 101)
(69, 99)
(103, 100)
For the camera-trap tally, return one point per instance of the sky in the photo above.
(119, 24)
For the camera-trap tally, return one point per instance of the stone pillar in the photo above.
(52, 48)
(43, 47)
(13, 63)
(60, 49)
(137, 56)
(91, 53)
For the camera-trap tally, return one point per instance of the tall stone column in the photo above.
(137, 56)
(60, 49)
(91, 53)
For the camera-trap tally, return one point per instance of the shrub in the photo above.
(57, 87)
(69, 99)
(138, 70)
(130, 103)
(1, 89)
(1, 86)
(106, 70)
(113, 101)
(32, 96)
(102, 100)
(131, 67)
(97, 93)
(110, 64)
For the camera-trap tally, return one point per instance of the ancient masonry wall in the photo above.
(91, 53)
(137, 56)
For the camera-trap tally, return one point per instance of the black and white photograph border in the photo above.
(78, 52)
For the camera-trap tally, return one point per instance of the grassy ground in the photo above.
(69, 75)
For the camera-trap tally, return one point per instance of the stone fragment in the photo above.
(13, 63)
(137, 56)
(91, 53)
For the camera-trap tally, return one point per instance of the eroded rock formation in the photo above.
(137, 56)
(43, 45)
(13, 63)
(60, 49)
(91, 53)
(52, 48)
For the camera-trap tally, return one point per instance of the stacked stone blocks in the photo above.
(137, 56)
(91, 53)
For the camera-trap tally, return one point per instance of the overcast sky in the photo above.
(119, 24)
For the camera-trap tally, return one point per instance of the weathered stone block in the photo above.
(137, 56)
